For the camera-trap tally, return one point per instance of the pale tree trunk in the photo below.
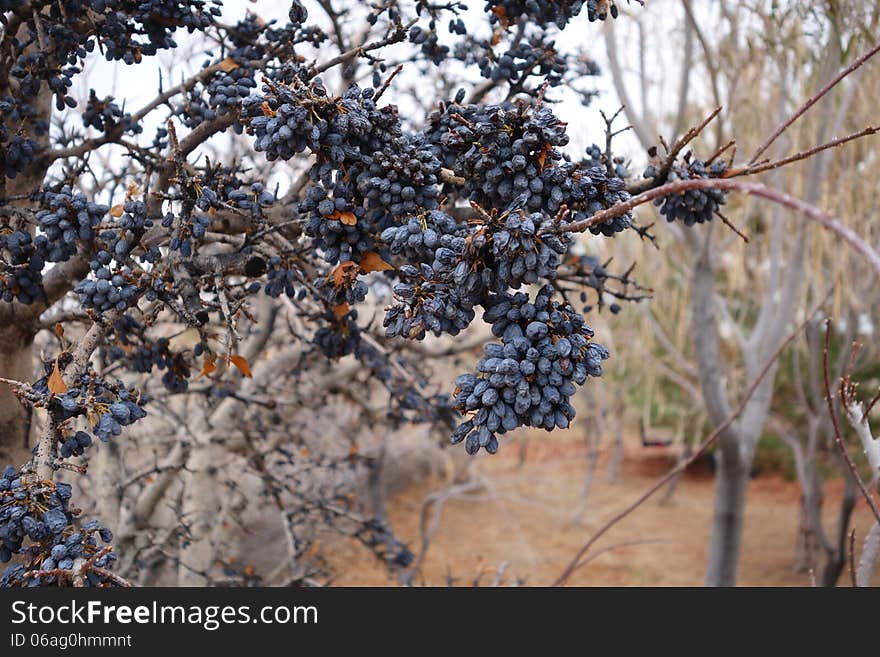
(16, 362)
(201, 510)
(615, 463)
(870, 556)
(17, 322)
(731, 479)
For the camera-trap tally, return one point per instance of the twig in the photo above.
(673, 152)
(838, 435)
(852, 556)
(750, 170)
(736, 230)
(387, 82)
(399, 34)
(812, 100)
(615, 546)
(751, 188)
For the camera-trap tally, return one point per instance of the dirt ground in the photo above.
(520, 520)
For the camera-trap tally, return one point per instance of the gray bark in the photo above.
(16, 362)
(731, 479)
(17, 322)
(870, 555)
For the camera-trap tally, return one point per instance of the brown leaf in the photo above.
(117, 210)
(348, 218)
(208, 367)
(342, 272)
(228, 64)
(341, 310)
(242, 364)
(59, 330)
(56, 381)
(542, 156)
(373, 262)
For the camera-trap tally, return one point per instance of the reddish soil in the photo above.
(522, 517)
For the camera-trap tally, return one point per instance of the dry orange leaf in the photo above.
(346, 218)
(56, 381)
(228, 64)
(117, 210)
(208, 367)
(340, 311)
(241, 363)
(542, 156)
(343, 271)
(59, 330)
(373, 262)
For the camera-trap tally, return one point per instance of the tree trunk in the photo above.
(17, 322)
(836, 559)
(16, 362)
(201, 511)
(870, 555)
(731, 480)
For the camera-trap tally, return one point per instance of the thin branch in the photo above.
(677, 147)
(838, 435)
(812, 100)
(750, 170)
(754, 189)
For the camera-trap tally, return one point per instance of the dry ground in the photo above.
(523, 518)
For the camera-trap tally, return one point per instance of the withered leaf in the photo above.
(542, 156)
(242, 364)
(208, 367)
(372, 261)
(346, 218)
(56, 383)
(342, 272)
(228, 64)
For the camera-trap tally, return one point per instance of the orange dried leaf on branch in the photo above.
(501, 13)
(372, 261)
(344, 272)
(228, 64)
(348, 218)
(56, 383)
(117, 210)
(542, 156)
(208, 366)
(242, 364)
(340, 311)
